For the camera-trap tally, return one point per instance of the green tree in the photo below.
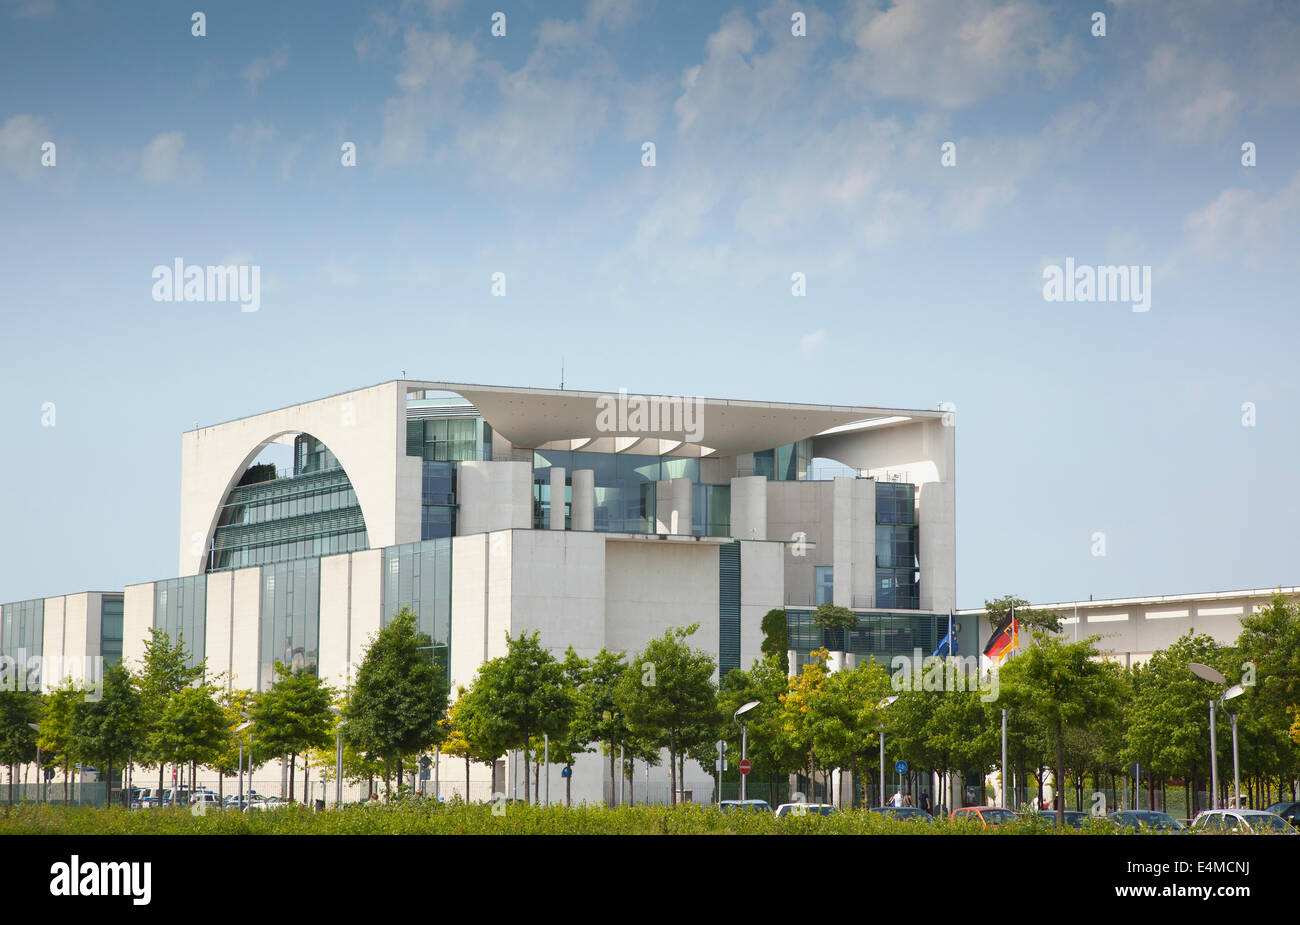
(1067, 686)
(842, 717)
(523, 694)
(236, 709)
(1029, 619)
(668, 695)
(596, 714)
(18, 711)
(1168, 716)
(836, 621)
(486, 737)
(770, 755)
(776, 636)
(192, 730)
(292, 717)
(58, 726)
(399, 695)
(164, 670)
(113, 727)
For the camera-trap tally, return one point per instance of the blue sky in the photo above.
(775, 154)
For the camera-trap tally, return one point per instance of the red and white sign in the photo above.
(744, 766)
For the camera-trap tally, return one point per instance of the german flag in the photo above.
(1005, 638)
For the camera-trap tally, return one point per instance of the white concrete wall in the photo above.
(481, 583)
(808, 508)
(245, 627)
(749, 508)
(366, 431)
(936, 517)
(219, 637)
(641, 603)
(493, 496)
(762, 588)
(367, 601)
(557, 498)
(53, 632)
(137, 620)
(558, 589)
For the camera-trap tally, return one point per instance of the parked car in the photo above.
(1288, 810)
(987, 815)
(1141, 819)
(207, 799)
(1075, 819)
(903, 813)
(805, 809)
(1240, 822)
(745, 806)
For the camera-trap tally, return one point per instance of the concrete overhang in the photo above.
(534, 418)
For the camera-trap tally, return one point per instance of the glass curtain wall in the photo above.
(290, 620)
(418, 576)
(180, 607)
(22, 628)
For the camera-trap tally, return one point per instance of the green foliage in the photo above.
(163, 672)
(110, 729)
(426, 817)
(1029, 619)
(668, 696)
(293, 716)
(192, 728)
(399, 696)
(776, 636)
(18, 709)
(1066, 686)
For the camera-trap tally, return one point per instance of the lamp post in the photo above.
(40, 781)
(1206, 673)
(238, 729)
(744, 740)
(880, 728)
(1004, 760)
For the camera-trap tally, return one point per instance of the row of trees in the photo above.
(1070, 711)
(164, 713)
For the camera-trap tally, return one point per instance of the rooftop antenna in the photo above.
(561, 373)
(403, 374)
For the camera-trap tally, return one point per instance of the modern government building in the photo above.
(599, 520)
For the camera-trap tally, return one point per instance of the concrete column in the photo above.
(749, 507)
(584, 499)
(842, 530)
(557, 498)
(679, 520)
(663, 506)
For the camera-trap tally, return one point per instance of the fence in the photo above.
(92, 793)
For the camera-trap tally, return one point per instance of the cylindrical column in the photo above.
(557, 498)
(1214, 763)
(584, 499)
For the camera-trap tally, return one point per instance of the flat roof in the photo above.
(1161, 599)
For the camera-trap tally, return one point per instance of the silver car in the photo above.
(1240, 822)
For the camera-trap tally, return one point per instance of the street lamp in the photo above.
(238, 729)
(880, 728)
(744, 741)
(1206, 673)
(40, 781)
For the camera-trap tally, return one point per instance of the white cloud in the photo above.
(1239, 224)
(251, 137)
(812, 343)
(163, 159)
(21, 138)
(955, 53)
(259, 69)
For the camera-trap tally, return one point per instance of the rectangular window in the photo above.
(825, 584)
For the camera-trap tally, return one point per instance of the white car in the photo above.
(207, 799)
(805, 809)
(1240, 822)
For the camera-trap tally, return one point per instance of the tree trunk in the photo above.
(527, 771)
(293, 766)
(400, 779)
(1060, 776)
(568, 788)
(613, 787)
(467, 779)
(672, 769)
(305, 795)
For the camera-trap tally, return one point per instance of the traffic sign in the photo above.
(901, 767)
(744, 766)
(565, 771)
